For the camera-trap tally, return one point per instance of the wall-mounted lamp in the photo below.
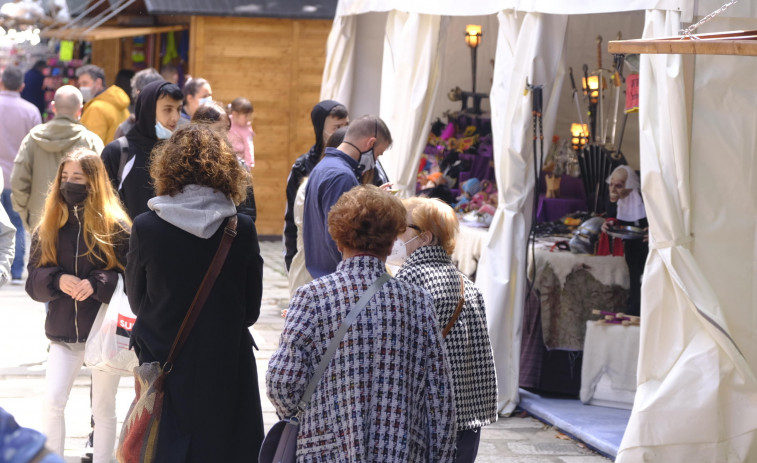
(473, 35)
(579, 135)
(592, 88)
(473, 39)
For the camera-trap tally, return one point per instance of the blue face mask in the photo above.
(161, 132)
(206, 100)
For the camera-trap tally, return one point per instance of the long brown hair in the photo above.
(104, 217)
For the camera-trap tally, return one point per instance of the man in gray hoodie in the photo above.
(36, 164)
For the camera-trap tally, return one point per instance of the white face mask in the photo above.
(206, 100)
(161, 132)
(86, 93)
(399, 252)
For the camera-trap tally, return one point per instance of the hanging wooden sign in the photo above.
(742, 43)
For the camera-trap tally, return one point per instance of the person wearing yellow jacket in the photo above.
(105, 108)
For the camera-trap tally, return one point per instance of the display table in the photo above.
(469, 244)
(566, 288)
(608, 373)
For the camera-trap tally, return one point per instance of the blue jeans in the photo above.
(17, 268)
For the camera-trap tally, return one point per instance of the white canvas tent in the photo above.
(697, 394)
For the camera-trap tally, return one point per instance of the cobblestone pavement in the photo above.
(23, 355)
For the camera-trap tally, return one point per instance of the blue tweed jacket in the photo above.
(387, 393)
(468, 347)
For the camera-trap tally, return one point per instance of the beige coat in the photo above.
(36, 164)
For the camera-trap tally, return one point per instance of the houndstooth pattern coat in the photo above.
(468, 348)
(387, 393)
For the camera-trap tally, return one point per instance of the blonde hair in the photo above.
(436, 217)
(104, 217)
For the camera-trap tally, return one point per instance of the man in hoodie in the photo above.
(18, 118)
(105, 108)
(36, 164)
(157, 112)
(327, 117)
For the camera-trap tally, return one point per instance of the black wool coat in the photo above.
(212, 409)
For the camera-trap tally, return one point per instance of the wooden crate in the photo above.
(277, 64)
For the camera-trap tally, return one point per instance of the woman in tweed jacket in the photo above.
(429, 240)
(387, 393)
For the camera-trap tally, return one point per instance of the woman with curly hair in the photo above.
(387, 393)
(211, 410)
(77, 252)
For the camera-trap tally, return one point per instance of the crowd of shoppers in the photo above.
(413, 380)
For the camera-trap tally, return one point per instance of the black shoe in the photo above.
(87, 457)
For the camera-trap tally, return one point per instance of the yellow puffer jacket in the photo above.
(105, 112)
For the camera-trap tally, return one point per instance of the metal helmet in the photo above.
(585, 237)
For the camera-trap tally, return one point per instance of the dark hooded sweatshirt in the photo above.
(137, 186)
(301, 169)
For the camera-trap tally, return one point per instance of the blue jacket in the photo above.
(331, 177)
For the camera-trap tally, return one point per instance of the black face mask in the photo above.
(73, 193)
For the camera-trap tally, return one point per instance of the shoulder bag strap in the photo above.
(229, 232)
(124, 144)
(334, 343)
(459, 309)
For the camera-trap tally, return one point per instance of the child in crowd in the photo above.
(241, 133)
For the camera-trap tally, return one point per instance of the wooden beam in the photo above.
(107, 33)
(740, 43)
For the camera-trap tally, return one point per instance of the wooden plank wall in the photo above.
(107, 54)
(277, 64)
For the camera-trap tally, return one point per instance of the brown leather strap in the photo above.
(459, 309)
(229, 232)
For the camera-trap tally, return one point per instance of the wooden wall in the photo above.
(277, 64)
(107, 54)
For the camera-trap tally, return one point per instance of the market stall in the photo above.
(531, 47)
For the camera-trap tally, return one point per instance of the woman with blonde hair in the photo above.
(77, 252)
(423, 251)
(211, 409)
(386, 393)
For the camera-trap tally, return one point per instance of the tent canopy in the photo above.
(483, 7)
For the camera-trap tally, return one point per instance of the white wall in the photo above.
(369, 50)
(457, 70)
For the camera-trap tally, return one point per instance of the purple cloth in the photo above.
(19, 116)
(551, 209)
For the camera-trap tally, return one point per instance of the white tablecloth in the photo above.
(468, 248)
(608, 373)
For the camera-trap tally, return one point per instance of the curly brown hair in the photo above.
(197, 155)
(367, 219)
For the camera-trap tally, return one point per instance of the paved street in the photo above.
(22, 365)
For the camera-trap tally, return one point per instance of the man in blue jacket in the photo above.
(339, 171)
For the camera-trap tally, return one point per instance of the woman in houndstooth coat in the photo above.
(424, 251)
(386, 395)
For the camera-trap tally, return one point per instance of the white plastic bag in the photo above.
(107, 347)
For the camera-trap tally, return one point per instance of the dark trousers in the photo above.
(467, 445)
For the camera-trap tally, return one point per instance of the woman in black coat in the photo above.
(211, 411)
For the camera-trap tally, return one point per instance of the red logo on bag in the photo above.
(125, 322)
